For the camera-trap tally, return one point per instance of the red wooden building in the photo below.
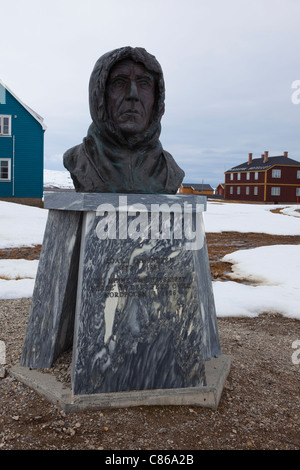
(265, 179)
(220, 190)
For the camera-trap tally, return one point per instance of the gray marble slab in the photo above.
(145, 314)
(51, 320)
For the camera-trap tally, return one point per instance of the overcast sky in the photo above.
(229, 66)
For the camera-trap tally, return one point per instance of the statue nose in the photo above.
(132, 93)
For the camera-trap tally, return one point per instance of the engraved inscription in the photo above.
(144, 282)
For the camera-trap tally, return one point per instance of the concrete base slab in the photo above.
(47, 386)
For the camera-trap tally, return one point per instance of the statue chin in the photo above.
(130, 129)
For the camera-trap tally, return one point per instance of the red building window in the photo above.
(276, 173)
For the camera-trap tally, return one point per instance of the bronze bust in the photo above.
(122, 152)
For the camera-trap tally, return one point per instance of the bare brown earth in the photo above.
(259, 408)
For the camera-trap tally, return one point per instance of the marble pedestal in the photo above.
(125, 279)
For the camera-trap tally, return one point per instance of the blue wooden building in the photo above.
(21, 149)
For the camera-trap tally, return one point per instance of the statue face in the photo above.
(130, 96)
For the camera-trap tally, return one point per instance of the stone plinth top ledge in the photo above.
(74, 201)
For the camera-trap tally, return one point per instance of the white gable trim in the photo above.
(33, 113)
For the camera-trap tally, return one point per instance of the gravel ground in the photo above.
(259, 408)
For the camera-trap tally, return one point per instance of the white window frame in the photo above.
(231, 190)
(238, 190)
(255, 191)
(298, 174)
(2, 117)
(276, 173)
(275, 191)
(248, 175)
(8, 160)
(256, 175)
(297, 191)
(238, 176)
(247, 190)
(231, 177)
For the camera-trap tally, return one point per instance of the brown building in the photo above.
(220, 190)
(265, 179)
(191, 188)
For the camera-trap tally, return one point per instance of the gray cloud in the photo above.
(228, 67)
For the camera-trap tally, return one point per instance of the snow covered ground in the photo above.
(272, 273)
(256, 218)
(21, 225)
(58, 179)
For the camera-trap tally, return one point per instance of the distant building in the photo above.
(192, 188)
(265, 179)
(21, 150)
(220, 190)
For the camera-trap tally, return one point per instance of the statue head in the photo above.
(127, 93)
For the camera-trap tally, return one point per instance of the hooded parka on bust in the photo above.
(109, 161)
